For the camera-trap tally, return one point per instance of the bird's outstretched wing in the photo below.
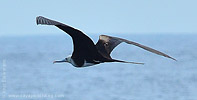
(68, 29)
(83, 45)
(107, 43)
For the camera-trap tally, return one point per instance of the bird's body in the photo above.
(86, 53)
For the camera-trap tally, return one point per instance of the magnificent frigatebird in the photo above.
(86, 53)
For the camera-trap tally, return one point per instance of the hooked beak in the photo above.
(60, 61)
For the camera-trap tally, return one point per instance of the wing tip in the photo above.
(41, 20)
(173, 58)
(46, 21)
(165, 55)
(37, 19)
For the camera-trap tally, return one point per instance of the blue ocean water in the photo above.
(31, 75)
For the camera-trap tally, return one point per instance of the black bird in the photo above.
(86, 53)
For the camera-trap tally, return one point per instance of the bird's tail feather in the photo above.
(114, 60)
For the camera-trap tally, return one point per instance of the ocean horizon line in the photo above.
(106, 33)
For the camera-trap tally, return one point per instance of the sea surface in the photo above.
(28, 73)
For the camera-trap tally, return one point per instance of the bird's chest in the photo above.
(81, 63)
(85, 64)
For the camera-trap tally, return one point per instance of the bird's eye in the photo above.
(106, 44)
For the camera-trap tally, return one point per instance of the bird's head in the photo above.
(67, 59)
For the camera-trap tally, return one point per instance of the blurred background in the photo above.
(120, 16)
(28, 50)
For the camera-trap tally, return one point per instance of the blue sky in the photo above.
(102, 16)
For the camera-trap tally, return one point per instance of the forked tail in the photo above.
(114, 60)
